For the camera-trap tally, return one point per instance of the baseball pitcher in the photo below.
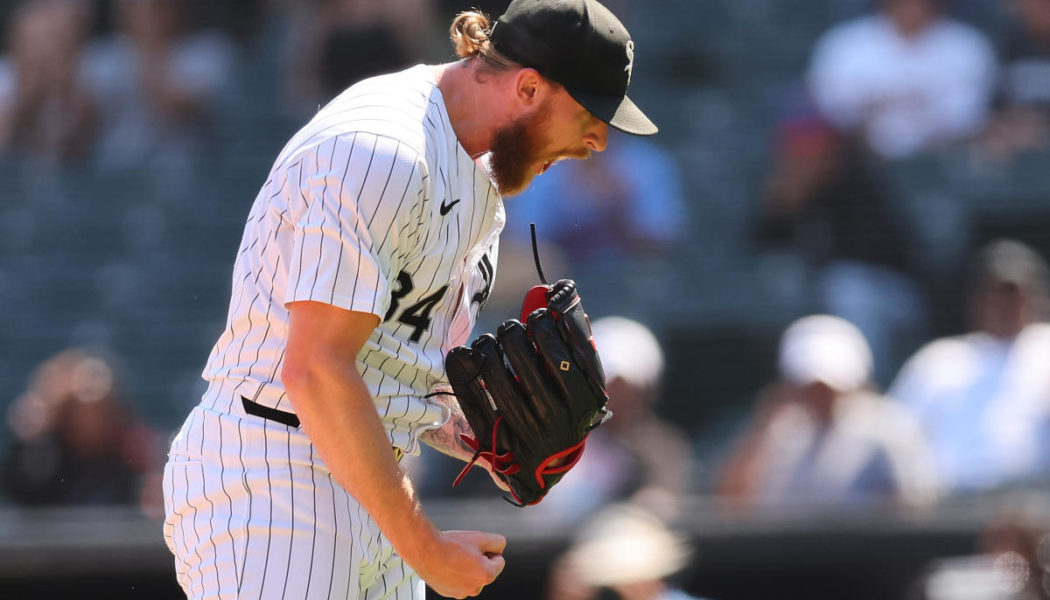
(366, 257)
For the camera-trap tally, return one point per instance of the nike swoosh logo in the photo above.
(447, 207)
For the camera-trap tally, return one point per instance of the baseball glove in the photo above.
(532, 392)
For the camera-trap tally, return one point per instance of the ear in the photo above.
(530, 88)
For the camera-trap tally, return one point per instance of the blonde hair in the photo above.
(470, 34)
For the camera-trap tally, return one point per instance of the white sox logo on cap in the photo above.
(630, 60)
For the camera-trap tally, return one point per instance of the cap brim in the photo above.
(620, 113)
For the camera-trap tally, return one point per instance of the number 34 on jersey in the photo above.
(418, 315)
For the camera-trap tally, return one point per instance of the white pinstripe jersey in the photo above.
(373, 206)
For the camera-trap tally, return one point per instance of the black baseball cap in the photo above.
(581, 45)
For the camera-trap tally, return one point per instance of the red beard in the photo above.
(515, 152)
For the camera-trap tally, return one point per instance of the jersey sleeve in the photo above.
(359, 194)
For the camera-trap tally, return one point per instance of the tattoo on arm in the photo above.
(447, 439)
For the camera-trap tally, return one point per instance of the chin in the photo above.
(517, 187)
(514, 191)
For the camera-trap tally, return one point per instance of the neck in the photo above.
(911, 25)
(467, 106)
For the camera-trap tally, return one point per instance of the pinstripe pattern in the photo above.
(373, 206)
(353, 201)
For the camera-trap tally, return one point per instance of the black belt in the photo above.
(258, 410)
(286, 418)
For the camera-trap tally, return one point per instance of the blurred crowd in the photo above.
(138, 95)
(78, 440)
(900, 378)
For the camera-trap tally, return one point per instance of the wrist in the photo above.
(416, 539)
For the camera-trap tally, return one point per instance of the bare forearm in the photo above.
(448, 438)
(338, 414)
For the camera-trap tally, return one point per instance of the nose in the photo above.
(597, 137)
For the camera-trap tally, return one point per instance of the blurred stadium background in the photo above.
(136, 260)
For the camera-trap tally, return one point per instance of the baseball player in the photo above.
(366, 257)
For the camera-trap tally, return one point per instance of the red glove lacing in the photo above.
(500, 463)
(504, 464)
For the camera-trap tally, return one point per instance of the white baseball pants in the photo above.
(253, 513)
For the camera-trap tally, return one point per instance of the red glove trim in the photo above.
(572, 455)
(500, 463)
(535, 298)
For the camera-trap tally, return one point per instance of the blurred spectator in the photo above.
(625, 202)
(621, 553)
(158, 86)
(76, 440)
(620, 211)
(1011, 560)
(1017, 540)
(636, 455)
(826, 204)
(983, 398)
(1026, 58)
(822, 437)
(334, 43)
(46, 109)
(906, 78)
(1022, 120)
